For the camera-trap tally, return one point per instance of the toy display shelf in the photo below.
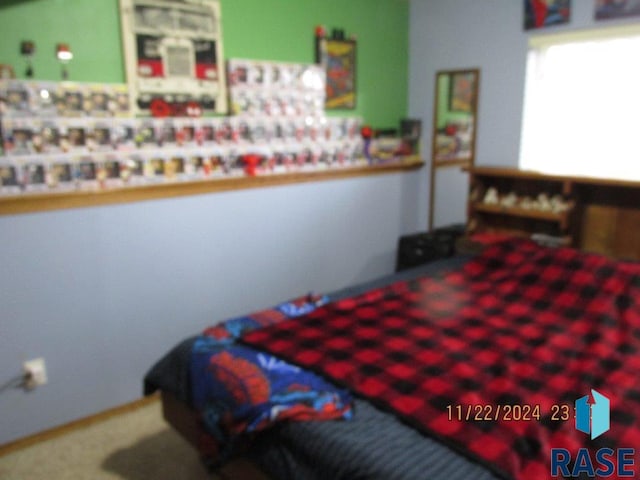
(37, 202)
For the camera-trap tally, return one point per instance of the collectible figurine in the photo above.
(527, 203)
(558, 204)
(509, 200)
(9, 183)
(34, 176)
(544, 203)
(112, 172)
(491, 197)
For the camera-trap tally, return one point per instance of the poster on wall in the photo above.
(173, 53)
(338, 57)
(546, 13)
(610, 9)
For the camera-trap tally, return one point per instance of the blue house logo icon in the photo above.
(592, 414)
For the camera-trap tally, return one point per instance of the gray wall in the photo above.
(489, 35)
(102, 292)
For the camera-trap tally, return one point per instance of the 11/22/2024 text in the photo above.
(509, 413)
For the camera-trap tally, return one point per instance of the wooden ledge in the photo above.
(39, 202)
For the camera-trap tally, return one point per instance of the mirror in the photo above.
(454, 123)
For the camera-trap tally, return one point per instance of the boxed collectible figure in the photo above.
(146, 134)
(17, 136)
(34, 174)
(99, 135)
(214, 162)
(175, 166)
(9, 177)
(99, 99)
(205, 131)
(43, 98)
(86, 172)
(223, 130)
(185, 132)
(260, 130)
(123, 134)
(194, 165)
(73, 100)
(73, 135)
(119, 105)
(106, 100)
(111, 166)
(49, 134)
(16, 99)
(154, 167)
(166, 134)
(60, 173)
(132, 169)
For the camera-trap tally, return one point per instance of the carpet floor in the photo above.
(137, 445)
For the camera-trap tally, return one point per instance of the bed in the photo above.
(467, 368)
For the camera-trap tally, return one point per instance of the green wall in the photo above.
(258, 29)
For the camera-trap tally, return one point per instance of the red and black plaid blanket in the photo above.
(520, 325)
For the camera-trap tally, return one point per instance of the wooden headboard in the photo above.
(604, 215)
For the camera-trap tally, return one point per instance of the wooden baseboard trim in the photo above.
(74, 425)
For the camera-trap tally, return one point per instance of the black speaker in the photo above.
(424, 247)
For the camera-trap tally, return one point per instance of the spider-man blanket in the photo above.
(520, 325)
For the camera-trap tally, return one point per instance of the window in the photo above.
(582, 104)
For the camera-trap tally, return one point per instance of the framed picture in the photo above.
(338, 57)
(606, 9)
(461, 92)
(544, 13)
(173, 53)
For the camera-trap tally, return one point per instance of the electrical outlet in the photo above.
(35, 373)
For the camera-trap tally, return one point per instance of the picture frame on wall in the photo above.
(338, 57)
(606, 9)
(174, 56)
(546, 13)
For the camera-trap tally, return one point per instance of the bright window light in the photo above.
(582, 108)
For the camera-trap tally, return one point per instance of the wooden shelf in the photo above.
(603, 214)
(511, 173)
(37, 202)
(518, 220)
(520, 212)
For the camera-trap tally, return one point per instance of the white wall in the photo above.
(489, 35)
(101, 293)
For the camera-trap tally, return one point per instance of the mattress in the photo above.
(517, 337)
(372, 445)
